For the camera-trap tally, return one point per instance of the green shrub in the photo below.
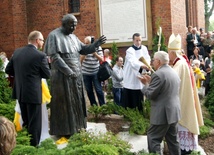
(85, 138)
(146, 109)
(23, 138)
(5, 90)
(155, 39)
(195, 153)
(139, 124)
(115, 53)
(143, 152)
(99, 111)
(209, 100)
(24, 150)
(94, 149)
(204, 132)
(163, 47)
(83, 143)
(8, 110)
(208, 122)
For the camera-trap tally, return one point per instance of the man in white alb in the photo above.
(132, 95)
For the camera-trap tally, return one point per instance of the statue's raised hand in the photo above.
(100, 41)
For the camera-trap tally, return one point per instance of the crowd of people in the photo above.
(199, 47)
(72, 66)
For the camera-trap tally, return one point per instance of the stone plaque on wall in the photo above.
(120, 19)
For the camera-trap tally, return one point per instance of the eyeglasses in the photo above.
(42, 40)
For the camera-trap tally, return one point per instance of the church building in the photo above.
(117, 19)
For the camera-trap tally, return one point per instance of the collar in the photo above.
(175, 61)
(161, 66)
(32, 45)
(136, 48)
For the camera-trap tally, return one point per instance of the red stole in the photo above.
(175, 61)
(187, 61)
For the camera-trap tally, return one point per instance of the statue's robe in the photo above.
(68, 108)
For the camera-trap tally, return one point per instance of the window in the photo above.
(74, 6)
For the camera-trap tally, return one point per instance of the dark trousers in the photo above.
(133, 99)
(117, 93)
(155, 135)
(89, 81)
(31, 115)
(207, 88)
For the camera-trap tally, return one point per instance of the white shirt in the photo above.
(132, 66)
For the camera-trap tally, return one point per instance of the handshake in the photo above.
(143, 60)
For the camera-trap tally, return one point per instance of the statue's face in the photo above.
(70, 26)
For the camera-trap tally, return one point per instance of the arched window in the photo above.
(74, 6)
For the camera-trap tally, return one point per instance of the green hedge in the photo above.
(8, 110)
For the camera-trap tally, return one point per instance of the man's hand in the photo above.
(100, 41)
(145, 79)
(208, 70)
(145, 67)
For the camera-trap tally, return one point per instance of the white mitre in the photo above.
(174, 42)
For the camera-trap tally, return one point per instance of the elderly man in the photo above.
(163, 91)
(191, 116)
(208, 43)
(68, 109)
(193, 40)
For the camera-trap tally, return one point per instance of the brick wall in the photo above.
(200, 14)
(20, 17)
(47, 15)
(6, 27)
(19, 22)
(44, 15)
(178, 14)
(13, 25)
(86, 20)
(173, 17)
(161, 13)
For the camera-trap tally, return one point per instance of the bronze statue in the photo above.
(68, 109)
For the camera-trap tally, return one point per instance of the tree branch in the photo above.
(211, 10)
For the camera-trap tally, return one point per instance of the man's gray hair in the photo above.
(34, 35)
(162, 56)
(88, 38)
(106, 50)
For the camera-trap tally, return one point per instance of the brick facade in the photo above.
(13, 25)
(19, 17)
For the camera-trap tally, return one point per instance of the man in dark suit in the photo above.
(162, 88)
(28, 65)
(193, 40)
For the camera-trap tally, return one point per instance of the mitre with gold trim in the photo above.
(174, 42)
